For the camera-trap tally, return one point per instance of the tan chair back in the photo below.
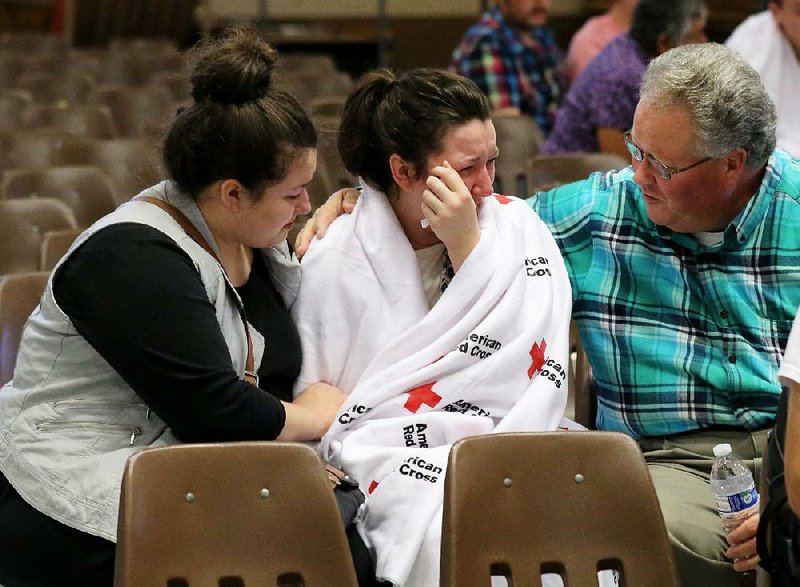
(260, 513)
(13, 104)
(131, 163)
(54, 245)
(329, 163)
(19, 296)
(518, 140)
(86, 189)
(137, 111)
(545, 173)
(94, 120)
(572, 503)
(23, 226)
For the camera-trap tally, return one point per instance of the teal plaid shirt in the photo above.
(680, 336)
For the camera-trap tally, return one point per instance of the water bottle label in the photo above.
(737, 502)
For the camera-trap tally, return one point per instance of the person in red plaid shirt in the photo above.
(514, 59)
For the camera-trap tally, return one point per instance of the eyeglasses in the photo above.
(664, 171)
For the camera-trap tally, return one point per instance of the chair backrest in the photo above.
(262, 512)
(86, 189)
(13, 104)
(572, 503)
(137, 111)
(327, 105)
(27, 148)
(93, 120)
(63, 88)
(518, 140)
(23, 225)
(55, 244)
(19, 295)
(131, 163)
(329, 162)
(548, 172)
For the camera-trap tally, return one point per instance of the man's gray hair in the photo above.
(723, 94)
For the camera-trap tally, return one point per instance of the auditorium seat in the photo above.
(255, 513)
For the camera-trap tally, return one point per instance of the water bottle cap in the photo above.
(722, 450)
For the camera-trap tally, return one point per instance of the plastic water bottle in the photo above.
(733, 487)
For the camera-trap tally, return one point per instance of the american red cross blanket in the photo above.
(490, 356)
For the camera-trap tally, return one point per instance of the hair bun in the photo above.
(234, 69)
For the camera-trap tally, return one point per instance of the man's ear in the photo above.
(736, 161)
(403, 172)
(232, 193)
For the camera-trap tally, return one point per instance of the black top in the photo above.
(137, 298)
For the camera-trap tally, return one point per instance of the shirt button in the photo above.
(732, 359)
(723, 314)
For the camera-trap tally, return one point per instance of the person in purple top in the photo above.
(600, 104)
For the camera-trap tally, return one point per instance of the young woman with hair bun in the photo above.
(141, 340)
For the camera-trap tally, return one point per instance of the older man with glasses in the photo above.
(685, 270)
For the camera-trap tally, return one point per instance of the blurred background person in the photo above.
(770, 42)
(512, 56)
(596, 33)
(600, 103)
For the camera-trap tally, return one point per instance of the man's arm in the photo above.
(340, 202)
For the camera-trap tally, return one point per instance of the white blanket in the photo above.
(490, 356)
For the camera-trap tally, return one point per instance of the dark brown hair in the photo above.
(408, 115)
(239, 126)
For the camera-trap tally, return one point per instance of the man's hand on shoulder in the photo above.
(341, 202)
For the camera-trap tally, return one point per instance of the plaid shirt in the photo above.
(681, 336)
(512, 70)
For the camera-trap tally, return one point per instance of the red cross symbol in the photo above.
(372, 487)
(423, 394)
(502, 199)
(537, 358)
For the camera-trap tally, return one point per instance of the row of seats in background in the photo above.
(84, 126)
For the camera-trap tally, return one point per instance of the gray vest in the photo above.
(68, 421)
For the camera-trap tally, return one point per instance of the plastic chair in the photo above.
(177, 83)
(518, 140)
(55, 244)
(548, 172)
(26, 148)
(253, 513)
(327, 106)
(572, 503)
(13, 104)
(330, 166)
(11, 66)
(19, 296)
(86, 189)
(23, 226)
(64, 88)
(94, 120)
(137, 111)
(132, 163)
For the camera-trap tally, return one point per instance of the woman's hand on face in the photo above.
(450, 210)
(312, 412)
(340, 202)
